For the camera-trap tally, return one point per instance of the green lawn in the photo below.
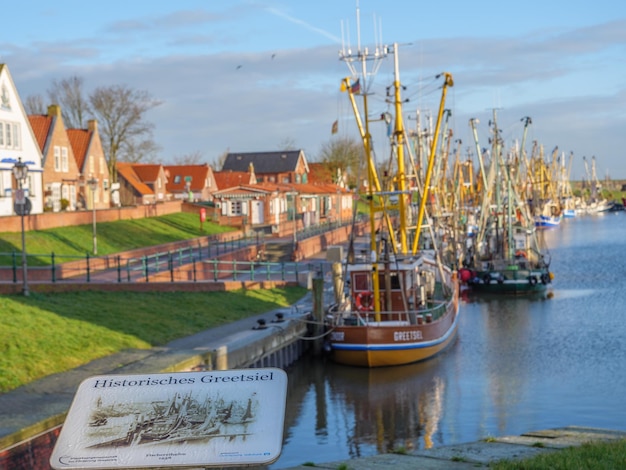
(48, 333)
(112, 237)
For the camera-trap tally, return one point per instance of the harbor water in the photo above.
(517, 365)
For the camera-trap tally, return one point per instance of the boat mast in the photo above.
(353, 59)
(399, 137)
(448, 82)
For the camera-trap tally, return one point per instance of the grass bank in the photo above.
(112, 237)
(590, 456)
(45, 334)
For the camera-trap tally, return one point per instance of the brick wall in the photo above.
(49, 220)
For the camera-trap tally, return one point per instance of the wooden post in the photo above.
(318, 314)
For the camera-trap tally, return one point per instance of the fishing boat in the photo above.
(401, 303)
(505, 255)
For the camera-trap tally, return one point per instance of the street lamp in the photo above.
(293, 195)
(93, 185)
(20, 172)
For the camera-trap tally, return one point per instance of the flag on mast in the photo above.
(335, 127)
(356, 86)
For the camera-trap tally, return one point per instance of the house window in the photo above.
(1, 135)
(92, 165)
(64, 162)
(7, 128)
(235, 207)
(16, 136)
(158, 183)
(285, 179)
(31, 186)
(72, 197)
(105, 185)
(298, 178)
(103, 164)
(57, 158)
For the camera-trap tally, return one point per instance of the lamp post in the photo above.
(93, 185)
(294, 255)
(20, 172)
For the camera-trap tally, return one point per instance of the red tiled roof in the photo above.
(41, 127)
(127, 171)
(229, 179)
(177, 174)
(148, 172)
(79, 140)
(319, 173)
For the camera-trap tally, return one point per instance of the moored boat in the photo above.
(505, 256)
(402, 304)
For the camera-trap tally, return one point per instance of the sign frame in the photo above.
(175, 420)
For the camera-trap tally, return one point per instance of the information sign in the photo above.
(180, 420)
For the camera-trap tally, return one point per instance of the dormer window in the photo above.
(176, 179)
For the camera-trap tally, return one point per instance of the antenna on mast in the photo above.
(362, 56)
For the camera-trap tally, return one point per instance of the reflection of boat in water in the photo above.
(402, 305)
(394, 407)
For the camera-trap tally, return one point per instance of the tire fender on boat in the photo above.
(364, 301)
(545, 278)
(532, 280)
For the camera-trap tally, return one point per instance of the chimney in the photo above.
(92, 125)
(54, 110)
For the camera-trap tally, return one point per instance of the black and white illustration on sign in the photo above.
(180, 419)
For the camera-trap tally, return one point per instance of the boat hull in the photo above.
(382, 344)
(509, 282)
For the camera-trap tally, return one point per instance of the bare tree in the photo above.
(121, 111)
(219, 163)
(34, 105)
(287, 144)
(68, 93)
(194, 158)
(345, 154)
(139, 151)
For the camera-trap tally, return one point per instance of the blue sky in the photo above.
(245, 75)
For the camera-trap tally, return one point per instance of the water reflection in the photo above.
(517, 365)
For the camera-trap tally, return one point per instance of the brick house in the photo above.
(191, 182)
(94, 187)
(142, 183)
(60, 173)
(285, 167)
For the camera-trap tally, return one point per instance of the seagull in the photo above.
(273, 55)
(238, 67)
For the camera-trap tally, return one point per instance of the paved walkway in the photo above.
(478, 454)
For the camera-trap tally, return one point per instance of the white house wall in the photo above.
(12, 112)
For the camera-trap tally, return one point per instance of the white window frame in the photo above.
(64, 160)
(17, 141)
(235, 208)
(57, 158)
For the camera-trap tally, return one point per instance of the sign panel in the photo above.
(202, 214)
(186, 420)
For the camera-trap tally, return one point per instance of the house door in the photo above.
(257, 216)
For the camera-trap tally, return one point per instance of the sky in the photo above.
(247, 75)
